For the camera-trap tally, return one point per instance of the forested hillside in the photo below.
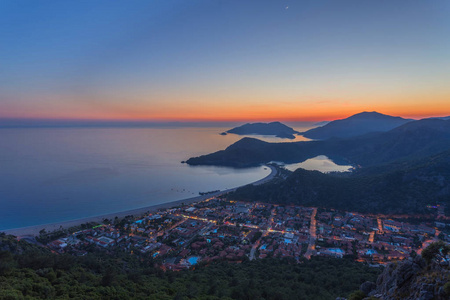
(30, 272)
(402, 187)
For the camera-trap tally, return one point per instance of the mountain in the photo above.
(274, 128)
(441, 118)
(249, 152)
(413, 140)
(355, 125)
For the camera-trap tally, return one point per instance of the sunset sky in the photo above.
(188, 60)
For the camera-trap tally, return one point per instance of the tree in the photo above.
(357, 295)
(447, 288)
(436, 251)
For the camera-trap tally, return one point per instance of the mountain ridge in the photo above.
(355, 125)
(412, 140)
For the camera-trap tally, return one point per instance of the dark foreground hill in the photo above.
(274, 128)
(355, 125)
(412, 140)
(425, 277)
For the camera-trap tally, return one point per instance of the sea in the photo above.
(50, 175)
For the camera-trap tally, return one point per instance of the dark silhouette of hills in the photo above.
(355, 125)
(399, 171)
(249, 152)
(274, 128)
(442, 118)
(413, 140)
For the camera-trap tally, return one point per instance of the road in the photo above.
(372, 237)
(380, 226)
(312, 235)
(254, 247)
(264, 233)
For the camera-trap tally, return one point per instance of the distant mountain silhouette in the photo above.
(442, 118)
(356, 125)
(274, 128)
(412, 140)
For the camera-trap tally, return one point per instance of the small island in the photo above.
(274, 128)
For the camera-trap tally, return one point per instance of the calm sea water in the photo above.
(57, 174)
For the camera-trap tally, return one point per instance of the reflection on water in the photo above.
(274, 139)
(320, 163)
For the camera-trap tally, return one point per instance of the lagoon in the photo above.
(319, 163)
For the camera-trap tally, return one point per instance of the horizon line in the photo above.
(84, 123)
(14, 122)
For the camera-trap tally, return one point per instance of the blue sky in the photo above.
(223, 60)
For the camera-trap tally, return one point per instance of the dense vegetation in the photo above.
(402, 187)
(30, 272)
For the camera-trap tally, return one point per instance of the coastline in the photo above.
(31, 231)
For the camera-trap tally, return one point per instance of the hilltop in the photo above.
(356, 125)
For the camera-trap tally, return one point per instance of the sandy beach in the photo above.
(34, 230)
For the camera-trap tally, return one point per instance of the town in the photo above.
(217, 229)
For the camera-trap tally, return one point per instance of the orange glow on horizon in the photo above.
(252, 110)
(234, 118)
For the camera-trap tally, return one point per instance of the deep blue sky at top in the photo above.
(219, 59)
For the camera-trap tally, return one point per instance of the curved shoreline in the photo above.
(34, 229)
